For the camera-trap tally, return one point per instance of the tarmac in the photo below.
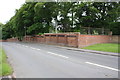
(92, 51)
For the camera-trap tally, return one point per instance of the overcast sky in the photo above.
(7, 9)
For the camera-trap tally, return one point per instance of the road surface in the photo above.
(34, 60)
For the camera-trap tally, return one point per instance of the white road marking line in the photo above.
(38, 49)
(63, 56)
(29, 47)
(18, 44)
(23, 45)
(47, 52)
(57, 55)
(33, 48)
(102, 66)
(26, 46)
(51, 53)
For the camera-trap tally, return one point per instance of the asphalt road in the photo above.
(34, 60)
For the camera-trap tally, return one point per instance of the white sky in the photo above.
(7, 9)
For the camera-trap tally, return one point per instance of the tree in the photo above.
(43, 15)
(23, 19)
(36, 17)
(65, 10)
(115, 27)
(108, 12)
(7, 31)
(1, 25)
(97, 14)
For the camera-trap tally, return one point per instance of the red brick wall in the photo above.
(116, 39)
(70, 39)
(39, 39)
(12, 40)
(53, 39)
(47, 39)
(3, 40)
(62, 40)
(86, 40)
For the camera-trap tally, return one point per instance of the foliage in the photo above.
(1, 26)
(38, 17)
(5, 68)
(40, 33)
(7, 31)
(115, 27)
(35, 28)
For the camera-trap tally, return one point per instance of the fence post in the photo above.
(103, 31)
(89, 30)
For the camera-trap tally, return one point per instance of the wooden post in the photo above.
(89, 30)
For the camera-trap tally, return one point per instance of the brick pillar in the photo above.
(66, 43)
(57, 38)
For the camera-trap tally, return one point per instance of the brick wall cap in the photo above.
(63, 33)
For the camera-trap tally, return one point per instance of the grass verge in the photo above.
(106, 47)
(5, 68)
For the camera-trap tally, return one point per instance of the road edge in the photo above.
(92, 51)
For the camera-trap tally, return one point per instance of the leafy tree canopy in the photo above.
(37, 17)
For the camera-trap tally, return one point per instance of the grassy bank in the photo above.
(107, 47)
(5, 68)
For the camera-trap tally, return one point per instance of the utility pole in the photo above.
(25, 32)
(56, 26)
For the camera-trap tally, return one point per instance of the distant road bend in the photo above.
(34, 60)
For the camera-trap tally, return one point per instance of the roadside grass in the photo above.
(106, 47)
(5, 68)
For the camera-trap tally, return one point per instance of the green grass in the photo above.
(5, 68)
(107, 47)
